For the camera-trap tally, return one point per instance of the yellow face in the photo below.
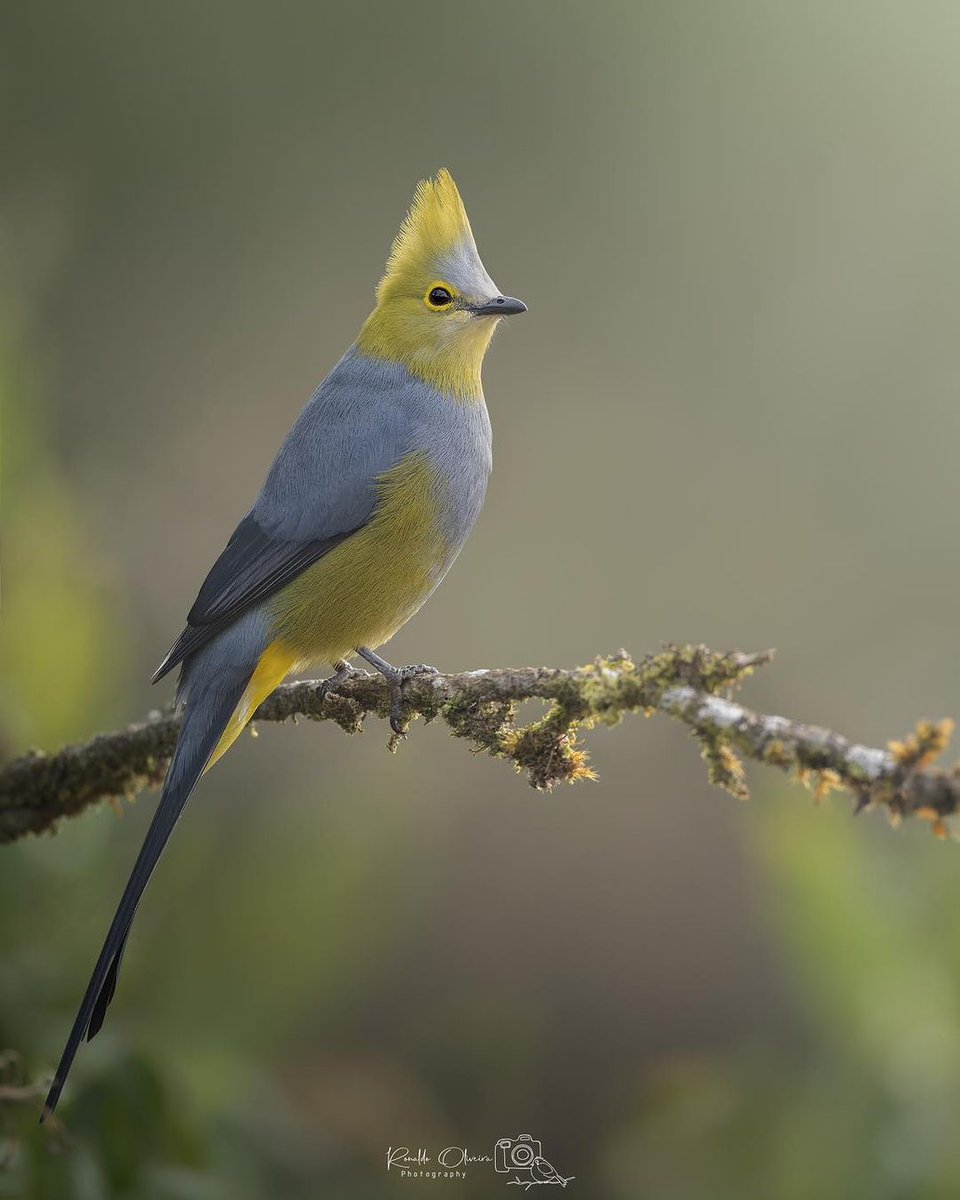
(441, 312)
(452, 324)
(437, 307)
(434, 334)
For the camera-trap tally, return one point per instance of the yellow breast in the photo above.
(363, 591)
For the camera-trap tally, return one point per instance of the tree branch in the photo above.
(689, 683)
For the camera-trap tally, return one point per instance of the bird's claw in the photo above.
(343, 672)
(397, 680)
(396, 677)
(415, 669)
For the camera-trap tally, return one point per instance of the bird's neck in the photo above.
(450, 361)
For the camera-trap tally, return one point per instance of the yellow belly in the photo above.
(363, 591)
(357, 595)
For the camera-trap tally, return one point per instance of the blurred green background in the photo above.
(730, 416)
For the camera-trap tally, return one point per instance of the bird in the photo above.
(368, 502)
(542, 1171)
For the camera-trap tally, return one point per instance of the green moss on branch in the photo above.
(689, 683)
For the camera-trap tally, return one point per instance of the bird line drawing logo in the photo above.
(522, 1157)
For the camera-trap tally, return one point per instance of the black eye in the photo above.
(439, 297)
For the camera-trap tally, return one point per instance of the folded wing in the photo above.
(321, 489)
(253, 567)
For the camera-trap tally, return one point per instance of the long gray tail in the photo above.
(204, 720)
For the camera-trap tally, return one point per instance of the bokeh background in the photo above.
(731, 416)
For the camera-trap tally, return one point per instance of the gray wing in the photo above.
(251, 568)
(320, 490)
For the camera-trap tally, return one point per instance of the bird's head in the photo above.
(437, 307)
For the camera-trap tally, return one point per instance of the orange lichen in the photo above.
(829, 781)
(919, 748)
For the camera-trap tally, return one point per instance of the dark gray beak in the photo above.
(503, 306)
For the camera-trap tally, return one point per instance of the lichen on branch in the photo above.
(692, 684)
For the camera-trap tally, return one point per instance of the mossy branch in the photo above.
(690, 683)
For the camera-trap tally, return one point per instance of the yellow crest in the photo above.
(436, 223)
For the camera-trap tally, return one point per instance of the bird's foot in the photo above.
(396, 677)
(415, 669)
(342, 672)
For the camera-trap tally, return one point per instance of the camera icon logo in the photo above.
(517, 1154)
